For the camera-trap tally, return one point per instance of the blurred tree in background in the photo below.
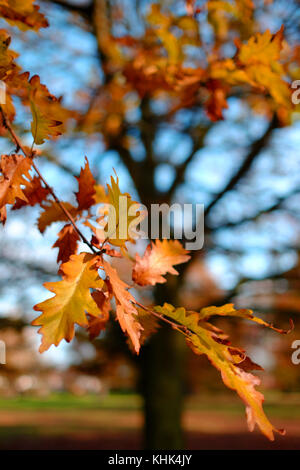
(158, 96)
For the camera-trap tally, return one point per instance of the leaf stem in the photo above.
(181, 328)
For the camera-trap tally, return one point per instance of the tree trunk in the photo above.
(162, 379)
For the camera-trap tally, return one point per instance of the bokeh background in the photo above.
(245, 169)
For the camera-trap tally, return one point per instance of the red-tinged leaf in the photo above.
(35, 193)
(158, 260)
(127, 314)
(67, 243)
(14, 169)
(86, 188)
(24, 14)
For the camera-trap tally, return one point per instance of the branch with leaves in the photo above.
(90, 289)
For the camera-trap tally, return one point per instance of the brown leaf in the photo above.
(86, 191)
(35, 194)
(66, 243)
(96, 325)
(52, 212)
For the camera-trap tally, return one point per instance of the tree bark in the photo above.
(162, 380)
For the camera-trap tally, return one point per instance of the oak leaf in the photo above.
(46, 110)
(98, 324)
(206, 339)
(66, 243)
(14, 169)
(23, 13)
(123, 216)
(52, 212)
(228, 310)
(158, 260)
(86, 188)
(72, 300)
(127, 314)
(35, 193)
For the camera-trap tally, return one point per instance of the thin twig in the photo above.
(181, 328)
(20, 146)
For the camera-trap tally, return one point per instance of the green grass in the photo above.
(285, 406)
(65, 401)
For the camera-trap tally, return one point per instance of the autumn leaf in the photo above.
(127, 314)
(7, 56)
(45, 110)
(66, 243)
(14, 169)
(98, 324)
(149, 323)
(86, 191)
(71, 302)
(124, 218)
(35, 193)
(23, 13)
(204, 338)
(158, 260)
(3, 215)
(52, 212)
(257, 64)
(228, 310)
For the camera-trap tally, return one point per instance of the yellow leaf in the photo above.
(123, 216)
(71, 302)
(262, 48)
(206, 339)
(228, 310)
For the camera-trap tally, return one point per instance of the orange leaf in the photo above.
(158, 260)
(14, 169)
(126, 312)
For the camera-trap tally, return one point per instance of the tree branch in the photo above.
(180, 172)
(84, 10)
(20, 145)
(255, 149)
